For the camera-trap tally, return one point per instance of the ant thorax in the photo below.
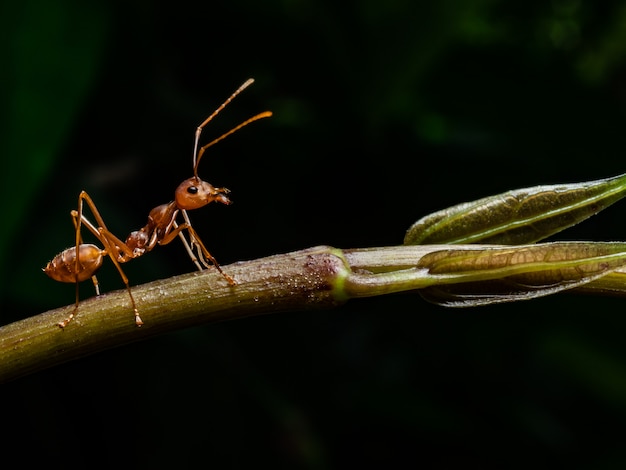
(160, 221)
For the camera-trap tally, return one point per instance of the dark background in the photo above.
(383, 113)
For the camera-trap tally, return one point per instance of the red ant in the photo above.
(79, 263)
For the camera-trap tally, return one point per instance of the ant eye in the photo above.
(192, 190)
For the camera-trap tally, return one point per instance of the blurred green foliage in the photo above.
(51, 58)
(384, 112)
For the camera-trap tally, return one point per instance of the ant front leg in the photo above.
(187, 246)
(203, 253)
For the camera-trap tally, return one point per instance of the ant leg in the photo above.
(79, 240)
(122, 250)
(190, 252)
(195, 241)
(76, 220)
(96, 285)
(89, 225)
(70, 317)
(203, 253)
(110, 249)
(113, 246)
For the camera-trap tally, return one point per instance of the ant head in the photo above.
(193, 193)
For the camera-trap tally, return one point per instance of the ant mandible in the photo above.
(80, 262)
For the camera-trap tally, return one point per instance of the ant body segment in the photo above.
(80, 262)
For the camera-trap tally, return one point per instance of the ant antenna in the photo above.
(197, 154)
(223, 136)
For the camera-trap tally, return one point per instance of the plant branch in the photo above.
(278, 283)
(315, 278)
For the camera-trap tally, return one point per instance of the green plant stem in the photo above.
(293, 281)
(315, 278)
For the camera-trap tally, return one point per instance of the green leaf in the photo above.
(517, 217)
(465, 278)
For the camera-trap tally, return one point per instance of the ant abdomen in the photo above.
(63, 267)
